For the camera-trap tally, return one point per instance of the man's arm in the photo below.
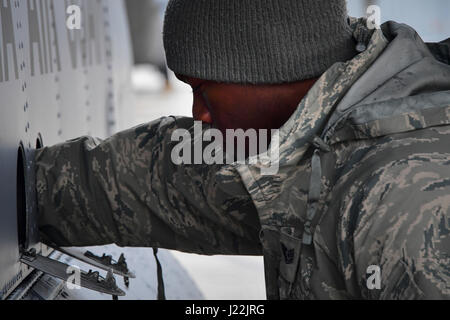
(126, 190)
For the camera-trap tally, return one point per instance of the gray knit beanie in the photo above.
(256, 41)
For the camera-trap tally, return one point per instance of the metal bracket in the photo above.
(106, 262)
(91, 280)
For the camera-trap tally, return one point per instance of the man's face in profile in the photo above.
(245, 106)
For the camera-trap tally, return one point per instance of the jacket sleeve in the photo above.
(403, 228)
(126, 190)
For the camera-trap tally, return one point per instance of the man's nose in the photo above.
(200, 111)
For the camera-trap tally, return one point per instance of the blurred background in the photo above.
(159, 93)
(429, 18)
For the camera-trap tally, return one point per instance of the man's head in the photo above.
(250, 62)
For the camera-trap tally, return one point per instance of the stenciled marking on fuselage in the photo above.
(44, 47)
(84, 42)
(8, 40)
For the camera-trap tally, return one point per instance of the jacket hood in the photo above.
(406, 67)
(396, 74)
(396, 84)
(408, 79)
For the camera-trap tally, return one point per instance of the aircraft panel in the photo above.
(55, 84)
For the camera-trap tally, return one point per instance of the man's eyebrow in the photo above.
(186, 80)
(198, 86)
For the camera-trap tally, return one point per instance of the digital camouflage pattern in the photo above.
(364, 180)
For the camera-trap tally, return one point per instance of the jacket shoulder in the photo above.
(395, 213)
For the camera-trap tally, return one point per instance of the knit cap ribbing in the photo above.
(256, 41)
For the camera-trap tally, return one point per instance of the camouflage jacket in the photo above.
(363, 180)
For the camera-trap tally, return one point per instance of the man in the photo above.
(359, 206)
